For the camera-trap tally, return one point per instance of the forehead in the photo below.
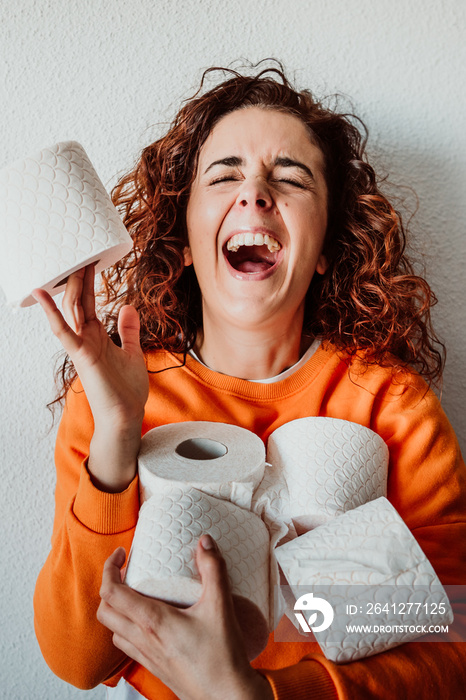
(260, 132)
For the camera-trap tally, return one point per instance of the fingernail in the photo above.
(207, 542)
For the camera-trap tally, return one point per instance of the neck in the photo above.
(251, 353)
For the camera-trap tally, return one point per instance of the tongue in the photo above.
(251, 259)
(252, 266)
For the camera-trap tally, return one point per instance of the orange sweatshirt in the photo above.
(426, 484)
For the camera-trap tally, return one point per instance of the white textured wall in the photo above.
(104, 72)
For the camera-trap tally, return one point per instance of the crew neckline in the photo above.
(312, 349)
(168, 362)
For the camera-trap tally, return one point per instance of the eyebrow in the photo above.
(281, 161)
(229, 161)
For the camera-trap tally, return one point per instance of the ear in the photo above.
(188, 258)
(322, 264)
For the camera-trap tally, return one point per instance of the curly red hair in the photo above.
(369, 299)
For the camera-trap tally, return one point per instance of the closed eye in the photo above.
(232, 178)
(224, 178)
(289, 181)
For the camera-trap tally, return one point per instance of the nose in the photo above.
(254, 193)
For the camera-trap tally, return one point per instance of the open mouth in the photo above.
(252, 253)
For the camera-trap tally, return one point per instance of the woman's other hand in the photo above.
(198, 652)
(114, 378)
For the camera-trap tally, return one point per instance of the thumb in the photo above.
(128, 328)
(216, 589)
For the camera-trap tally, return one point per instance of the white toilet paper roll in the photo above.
(222, 460)
(162, 559)
(55, 218)
(320, 468)
(366, 556)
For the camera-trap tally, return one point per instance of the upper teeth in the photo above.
(240, 239)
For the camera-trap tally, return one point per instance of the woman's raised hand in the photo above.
(115, 379)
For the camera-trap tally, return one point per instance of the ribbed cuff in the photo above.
(307, 679)
(106, 513)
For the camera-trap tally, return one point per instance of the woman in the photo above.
(268, 282)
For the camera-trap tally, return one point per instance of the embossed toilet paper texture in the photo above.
(170, 524)
(369, 552)
(55, 217)
(162, 558)
(322, 467)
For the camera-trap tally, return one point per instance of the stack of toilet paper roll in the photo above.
(55, 218)
(310, 509)
(333, 531)
(318, 469)
(197, 478)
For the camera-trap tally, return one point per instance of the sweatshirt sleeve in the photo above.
(427, 486)
(89, 525)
